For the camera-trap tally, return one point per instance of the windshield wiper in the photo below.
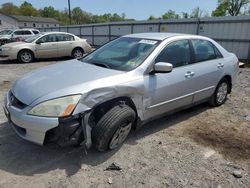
(102, 65)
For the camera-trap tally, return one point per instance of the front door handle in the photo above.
(220, 65)
(189, 74)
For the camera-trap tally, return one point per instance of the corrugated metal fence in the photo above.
(231, 32)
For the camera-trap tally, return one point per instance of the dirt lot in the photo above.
(199, 147)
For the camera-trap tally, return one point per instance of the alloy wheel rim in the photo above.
(78, 54)
(120, 135)
(222, 92)
(26, 57)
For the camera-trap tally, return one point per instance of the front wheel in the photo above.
(113, 128)
(220, 95)
(25, 56)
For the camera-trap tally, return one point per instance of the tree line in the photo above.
(79, 16)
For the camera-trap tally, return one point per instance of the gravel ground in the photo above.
(198, 147)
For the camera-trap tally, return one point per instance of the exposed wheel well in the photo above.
(229, 79)
(26, 50)
(102, 108)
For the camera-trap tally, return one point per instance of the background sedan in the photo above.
(45, 45)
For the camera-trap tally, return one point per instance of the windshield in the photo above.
(32, 38)
(5, 32)
(123, 54)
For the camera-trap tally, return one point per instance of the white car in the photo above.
(17, 35)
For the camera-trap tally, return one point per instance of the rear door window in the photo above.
(205, 50)
(65, 37)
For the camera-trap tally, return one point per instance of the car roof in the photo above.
(57, 32)
(25, 29)
(156, 36)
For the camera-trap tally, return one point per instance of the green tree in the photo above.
(49, 12)
(198, 13)
(221, 10)
(151, 18)
(230, 7)
(27, 9)
(9, 9)
(77, 15)
(170, 15)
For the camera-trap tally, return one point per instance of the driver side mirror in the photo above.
(162, 67)
(38, 42)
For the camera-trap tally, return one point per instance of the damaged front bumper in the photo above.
(72, 130)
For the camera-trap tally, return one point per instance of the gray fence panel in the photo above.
(179, 28)
(232, 32)
(98, 41)
(226, 30)
(119, 30)
(239, 48)
(86, 31)
(145, 28)
(101, 30)
(75, 30)
(63, 29)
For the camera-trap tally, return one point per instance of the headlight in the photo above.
(6, 48)
(59, 107)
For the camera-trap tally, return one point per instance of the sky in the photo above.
(137, 9)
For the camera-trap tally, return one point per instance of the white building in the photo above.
(7, 22)
(16, 21)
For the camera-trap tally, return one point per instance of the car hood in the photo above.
(15, 44)
(58, 77)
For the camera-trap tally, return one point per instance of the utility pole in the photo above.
(69, 12)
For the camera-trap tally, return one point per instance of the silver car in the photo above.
(45, 45)
(125, 83)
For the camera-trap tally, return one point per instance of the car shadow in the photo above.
(20, 157)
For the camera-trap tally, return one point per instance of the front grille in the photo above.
(15, 102)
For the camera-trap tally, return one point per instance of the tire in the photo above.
(77, 53)
(113, 128)
(220, 95)
(25, 56)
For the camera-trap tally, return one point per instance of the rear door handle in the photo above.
(220, 65)
(189, 74)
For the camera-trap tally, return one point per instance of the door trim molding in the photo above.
(181, 97)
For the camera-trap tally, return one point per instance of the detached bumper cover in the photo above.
(42, 130)
(31, 128)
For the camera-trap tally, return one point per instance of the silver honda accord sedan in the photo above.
(129, 81)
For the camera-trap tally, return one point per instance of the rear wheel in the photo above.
(25, 56)
(77, 53)
(220, 95)
(113, 128)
